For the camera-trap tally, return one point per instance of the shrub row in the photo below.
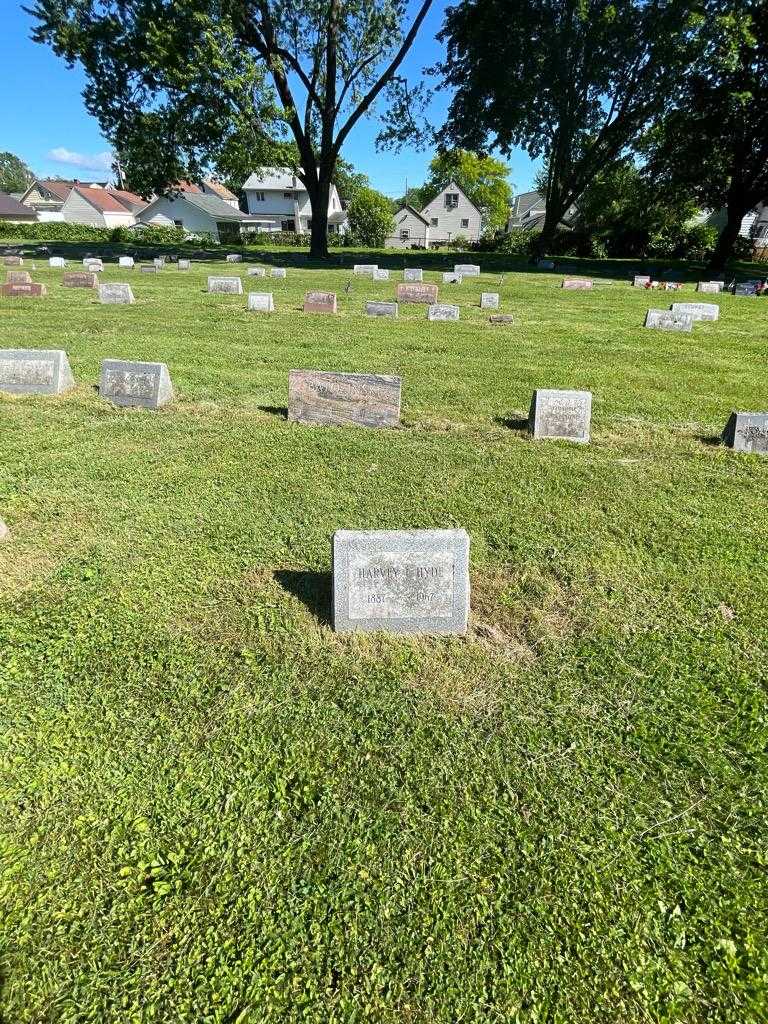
(59, 231)
(292, 238)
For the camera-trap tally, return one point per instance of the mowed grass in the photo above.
(217, 810)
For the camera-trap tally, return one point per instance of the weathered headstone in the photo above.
(666, 320)
(449, 277)
(18, 277)
(320, 302)
(261, 302)
(115, 294)
(501, 318)
(4, 531)
(234, 257)
(365, 269)
(466, 269)
(746, 289)
(360, 399)
(747, 432)
(159, 262)
(381, 309)
(13, 261)
(401, 581)
(31, 371)
(225, 285)
(577, 284)
(413, 274)
(278, 272)
(441, 311)
(560, 414)
(57, 262)
(183, 264)
(641, 280)
(126, 262)
(79, 279)
(256, 272)
(380, 274)
(489, 300)
(424, 294)
(714, 287)
(147, 385)
(697, 310)
(22, 291)
(148, 268)
(546, 264)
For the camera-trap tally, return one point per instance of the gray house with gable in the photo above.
(448, 216)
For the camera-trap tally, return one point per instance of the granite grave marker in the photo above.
(560, 414)
(697, 310)
(57, 263)
(340, 399)
(23, 291)
(442, 311)
(261, 302)
(18, 277)
(666, 320)
(126, 262)
(489, 300)
(225, 285)
(386, 309)
(30, 371)
(79, 279)
(146, 385)
(320, 302)
(573, 284)
(466, 269)
(413, 274)
(747, 432)
(115, 294)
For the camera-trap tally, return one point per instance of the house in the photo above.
(14, 212)
(451, 214)
(196, 213)
(96, 206)
(276, 200)
(47, 197)
(754, 225)
(215, 188)
(529, 209)
(129, 200)
(411, 230)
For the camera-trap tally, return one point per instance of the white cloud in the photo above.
(96, 162)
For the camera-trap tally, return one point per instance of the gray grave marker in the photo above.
(148, 268)
(115, 294)
(365, 269)
(261, 302)
(184, 264)
(413, 274)
(489, 300)
(713, 287)
(30, 371)
(573, 284)
(438, 311)
(225, 285)
(381, 309)
(340, 399)
(146, 385)
(666, 320)
(278, 272)
(641, 280)
(451, 277)
(257, 272)
(126, 262)
(380, 275)
(747, 432)
(697, 310)
(501, 318)
(401, 581)
(466, 269)
(234, 257)
(57, 262)
(560, 414)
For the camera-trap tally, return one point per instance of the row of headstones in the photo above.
(681, 316)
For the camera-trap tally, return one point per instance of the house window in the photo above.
(259, 197)
(433, 222)
(178, 224)
(451, 200)
(465, 222)
(288, 225)
(309, 224)
(287, 195)
(405, 234)
(296, 196)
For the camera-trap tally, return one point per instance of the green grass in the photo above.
(217, 810)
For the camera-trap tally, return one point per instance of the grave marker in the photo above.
(13, 261)
(126, 262)
(666, 320)
(747, 432)
(145, 385)
(234, 257)
(365, 269)
(320, 302)
(57, 262)
(225, 285)
(451, 277)
(413, 274)
(641, 280)
(184, 264)
(746, 289)
(22, 291)
(30, 371)
(401, 581)
(438, 311)
(501, 318)
(425, 294)
(4, 531)
(714, 287)
(466, 269)
(560, 414)
(340, 399)
(577, 284)
(256, 272)
(79, 279)
(278, 272)
(380, 275)
(148, 268)
(489, 300)
(389, 309)
(261, 302)
(115, 294)
(697, 310)
(18, 277)
(159, 262)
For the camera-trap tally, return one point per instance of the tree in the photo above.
(483, 179)
(714, 143)
(574, 83)
(173, 83)
(370, 218)
(349, 181)
(15, 176)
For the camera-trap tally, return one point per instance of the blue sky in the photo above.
(44, 121)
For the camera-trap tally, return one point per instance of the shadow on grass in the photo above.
(711, 440)
(313, 589)
(274, 410)
(512, 422)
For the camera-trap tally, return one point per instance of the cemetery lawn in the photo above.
(215, 809)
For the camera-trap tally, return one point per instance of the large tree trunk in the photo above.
(738, 208)
(552, 218)
(318, 199)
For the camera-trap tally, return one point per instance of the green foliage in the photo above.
(370, 218)
(348, 181)
(60, 231)
(516, 242)
(483, 179)
(15, 176)
(293, 239)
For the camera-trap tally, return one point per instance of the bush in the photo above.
(370, 218)
(59, 231)
(516, 242)
(259, 239)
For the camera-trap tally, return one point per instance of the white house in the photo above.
(276, 200)
(411, 229)
(96, 206)
(196, 213)
(450, 215)
(529, 209)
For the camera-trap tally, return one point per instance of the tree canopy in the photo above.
(15, 176)
(370, 217)
(179, 86)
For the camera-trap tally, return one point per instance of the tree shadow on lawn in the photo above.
(313, 589)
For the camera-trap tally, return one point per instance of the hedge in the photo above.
(59, 231)
(292, 238)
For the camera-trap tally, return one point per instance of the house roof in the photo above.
(102, 200)
(279, 178)
(410, 209)
(10, 207)
(221, 190)
(187, 186)
(129, 199)
(451, 187)
(527, 201)
(211, 205)
(56, 186)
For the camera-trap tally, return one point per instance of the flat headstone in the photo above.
(666, 320)
(57, 262)
(560, 414)
(225, 285)
(184, 264)
(413, 274)
(441, 311)
(13, 261)
(641, 280)
(380, 274)
(115, 294)
(746, 289)
(411, 291)
(18, 277)
(261, 302)
(381, 309)
(401, 581)
(697, 310)
(489, 300)
(359, 399)
(256, 272)
(451, 277)
(714, 287)
(22, 291)
(747, 432)
(126, 262)
(546, 264)
(466, 269)
(148, 268)
(31, 371)
(4, 531)
(147, 385)
(234, 257)
(79, 279)
(365, 269)
(501, 318)
(573, 284)
(159, 262)
(278, 272)
(320, 302)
